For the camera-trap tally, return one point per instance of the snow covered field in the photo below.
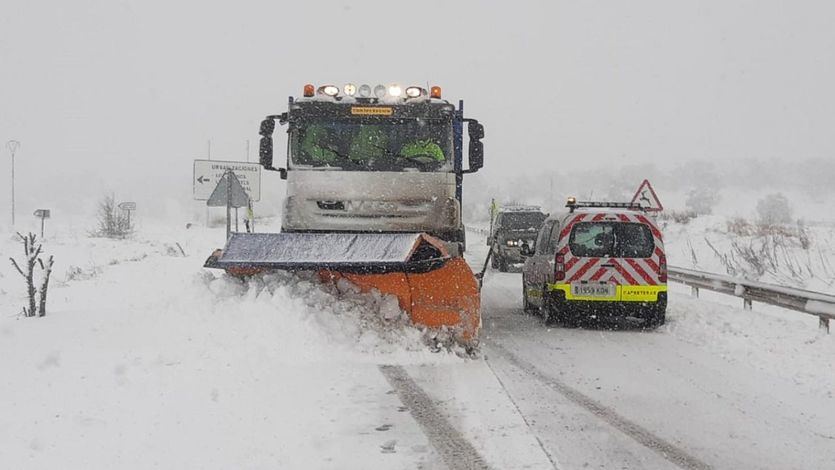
(145, 359)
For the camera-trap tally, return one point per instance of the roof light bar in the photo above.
(572, 204)
(350, 89)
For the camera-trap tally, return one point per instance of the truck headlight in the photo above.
(511, 243)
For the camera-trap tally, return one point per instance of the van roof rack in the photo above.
(575, 204)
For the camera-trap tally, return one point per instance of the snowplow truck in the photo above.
(374, 190)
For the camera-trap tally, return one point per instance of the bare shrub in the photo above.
(803, 235)
(740, 227)
(113, 222)
(679, 217)
(777, 251)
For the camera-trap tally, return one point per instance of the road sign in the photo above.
(646, 198)
(43, 214)
(208, 173)
(219, 196)
(127, 206)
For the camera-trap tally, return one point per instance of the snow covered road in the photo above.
(146, 360)
(653, 399)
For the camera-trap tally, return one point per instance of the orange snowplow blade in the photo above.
(447, 296)
(435, 289)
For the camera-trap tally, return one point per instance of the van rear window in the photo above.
(611, 239)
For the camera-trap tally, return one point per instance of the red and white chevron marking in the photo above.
(622, 271)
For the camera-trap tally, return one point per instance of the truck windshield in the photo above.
(529, 221)
(395, 145)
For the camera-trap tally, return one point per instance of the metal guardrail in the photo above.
(813, 303)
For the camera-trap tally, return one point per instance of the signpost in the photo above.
(13, 145)
(646, 198)
(127, 207)
(229, 192)
(208, 173)
(43, 214)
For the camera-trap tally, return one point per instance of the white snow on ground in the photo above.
(145, 359)
(778, 342)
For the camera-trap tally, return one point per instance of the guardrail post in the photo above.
(747, 304)
(823, 323)
(694, 291)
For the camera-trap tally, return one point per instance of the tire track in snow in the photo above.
(643, 436)
(456, 452)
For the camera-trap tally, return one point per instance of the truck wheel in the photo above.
(502, 265)
(494, 262)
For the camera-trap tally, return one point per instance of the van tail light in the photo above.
(559, 267)
(662, 268)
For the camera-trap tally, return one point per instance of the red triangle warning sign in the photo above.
(646, 198)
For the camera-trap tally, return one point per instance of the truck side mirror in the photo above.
(476, 150)
(265, 153)
(525, 250)
(267, 127)
(476, 130)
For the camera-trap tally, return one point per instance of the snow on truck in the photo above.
(374, 189)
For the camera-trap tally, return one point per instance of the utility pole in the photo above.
(12, 145)
(208, 156)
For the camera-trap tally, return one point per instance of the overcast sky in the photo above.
(125, 94)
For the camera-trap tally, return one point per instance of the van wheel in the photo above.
(568, 319)
(561, 314)
(526, 306)
(657, 318)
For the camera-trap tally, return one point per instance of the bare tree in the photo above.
(32, 252)
(774, 210)
(33, 257)
(47, 271)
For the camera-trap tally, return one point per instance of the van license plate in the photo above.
(593, 290)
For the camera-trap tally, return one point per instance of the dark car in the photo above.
(513, 226)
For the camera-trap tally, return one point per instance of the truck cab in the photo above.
(375, 160)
